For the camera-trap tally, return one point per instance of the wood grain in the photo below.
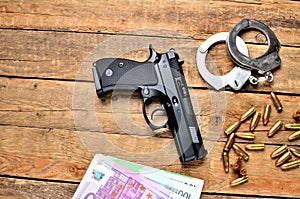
(60, 155)
(69, 56)
(52, 123)
(192, 19)
(11, 188)
(63, 105)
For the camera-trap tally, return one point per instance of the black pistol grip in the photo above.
(122, 74)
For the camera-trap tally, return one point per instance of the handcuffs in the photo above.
(245, 67)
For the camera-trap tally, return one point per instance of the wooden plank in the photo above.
(21, 188)
(60, 155)
(11, 188)
(45, 54)
(44, 154)
(54, 40)
(193, 19)
(69, 56)
(55, 104)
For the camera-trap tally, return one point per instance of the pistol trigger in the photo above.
(158, 124)
(153, 127)
(158, 109)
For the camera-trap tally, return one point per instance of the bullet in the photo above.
(295, 126)
(225, 161)
(239, 151)
(255, 147)
(279, 151)
(296, 114)
(276, 102)
(229, 143)
(254, 121)
(275, 128)
(294, 136)
(285, 157)
(295, 152)
(236, 165)
(266, 114)
(232, 128)
(245, 135)
(247, 114)
(290, 165)
(239, 181)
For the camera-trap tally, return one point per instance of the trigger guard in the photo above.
(151, 125)
(236, 78)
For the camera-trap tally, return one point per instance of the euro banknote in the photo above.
(184, 186)
(106, 179)
(112, 178)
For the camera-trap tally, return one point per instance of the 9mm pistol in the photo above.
(160, 76)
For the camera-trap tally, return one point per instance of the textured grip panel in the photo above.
(123, 72)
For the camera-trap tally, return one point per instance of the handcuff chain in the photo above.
(268, 77)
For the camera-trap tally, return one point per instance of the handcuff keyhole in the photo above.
(236, 83)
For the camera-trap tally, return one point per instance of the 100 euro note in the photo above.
(185, 187)
(110, 180)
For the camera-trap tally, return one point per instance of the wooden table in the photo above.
(48, 102)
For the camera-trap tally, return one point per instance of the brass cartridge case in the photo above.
(285, 157)
(245, 135)
(279, 151)
(255, 147)
(243, 172)
(247, 114)
(295, 152)
(276, 102)
(296, 115)
(275, 128)
(229, 142)
(294, 136)
(239, 151)
(236, 165)
(225, 161)
(232, 128)
(290, 165)
(239, 181)
(295, 126)
(266, 114)
(254, 121)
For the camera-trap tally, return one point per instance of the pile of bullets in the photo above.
(283, 153)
